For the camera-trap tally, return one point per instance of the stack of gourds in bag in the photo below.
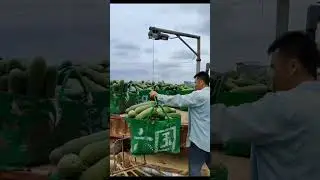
(36, 80)
(84, 158)
(142, 111)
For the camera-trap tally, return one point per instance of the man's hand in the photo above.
(153, 94)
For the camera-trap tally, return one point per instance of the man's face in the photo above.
(283, 72)
(199, 84)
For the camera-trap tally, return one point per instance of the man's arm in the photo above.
(257, 122)
(180, 100)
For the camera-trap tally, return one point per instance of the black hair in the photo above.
(299, 45)
(203, 76)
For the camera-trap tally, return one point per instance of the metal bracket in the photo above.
(161, 34)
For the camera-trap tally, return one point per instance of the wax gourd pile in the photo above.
(119, 86)
(84, 158)
(236, 82)
(35, 78)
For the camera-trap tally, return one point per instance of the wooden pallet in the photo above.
(120, 169)
(130, 171)
(132, 166)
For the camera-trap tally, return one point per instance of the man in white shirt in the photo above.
(284, 126)
(198, 103)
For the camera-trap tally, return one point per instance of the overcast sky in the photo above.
(78, 30)
(242, 30)
(56, 29)
(131, 52)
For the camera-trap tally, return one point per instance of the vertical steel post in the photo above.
(198, 55)
(283, 13)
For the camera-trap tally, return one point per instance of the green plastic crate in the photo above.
(234, 99)
(120, 102)
(143, 96)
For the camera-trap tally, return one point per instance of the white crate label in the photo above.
(165, 140)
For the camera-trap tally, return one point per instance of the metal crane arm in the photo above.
(158, 34)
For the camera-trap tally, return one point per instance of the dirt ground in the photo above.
(174, 161)
(238, 167)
